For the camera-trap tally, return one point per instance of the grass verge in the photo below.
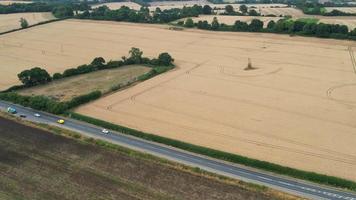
(234, 158)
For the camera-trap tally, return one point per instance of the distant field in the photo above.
(295, 13)
(11, 21)
(66, 89)
(230, 20)
(117, 5)
(12, 2)
(36, 164)
(343, 9)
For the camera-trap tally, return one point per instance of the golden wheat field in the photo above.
(297, 107)
(12, 21)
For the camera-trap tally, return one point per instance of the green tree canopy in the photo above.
(243, 9)
(23, 23)
(34, 76)
(207, 10)
(165, 59)
(189, 23)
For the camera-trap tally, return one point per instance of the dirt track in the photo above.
(297, 109)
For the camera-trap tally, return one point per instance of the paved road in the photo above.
(289, 185)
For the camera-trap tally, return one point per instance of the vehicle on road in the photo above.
(105, 131)
(23, 116)
(11, 110)
(37, 115)
(60, 121)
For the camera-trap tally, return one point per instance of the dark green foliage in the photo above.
(215, 24)
(23, 23)
(34, 76)
(143, 15)
(164, 59)
(98, 62)
(253, 12)
(30, 7)
(243, 9)
(76, 101)
(229, 9)
(63, 11)
(203, 25)
(207, 10)
(256, 25)
(189, 23)
(57, 76)
(271, 24)
(305, 175)
(35, 102)
(240, 26)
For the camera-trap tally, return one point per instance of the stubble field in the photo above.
(12, 21)
(296, 109)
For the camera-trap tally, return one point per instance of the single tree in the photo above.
(189, 23)
(229, 9)
(215, 24)
(34, 76)
(135, 55)
(23, 23)
(165, 59)
(243, 9)
(207, 10)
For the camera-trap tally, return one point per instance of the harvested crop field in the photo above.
(230, 20)
(12, 21)
(284, 11)
(36, 164)
(68, 88)
(297, 107)
(117, 5)
(343, 9)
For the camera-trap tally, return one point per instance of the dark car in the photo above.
(23, 116)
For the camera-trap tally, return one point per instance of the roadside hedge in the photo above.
(234, 158)
(46, 104)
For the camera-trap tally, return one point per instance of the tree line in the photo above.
(39, 76)
(286, 26)
(143, 15)
(59, 10)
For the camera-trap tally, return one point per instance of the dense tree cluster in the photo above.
(143, 15)
(37, 76)
(287, 26)
(34, 76)
(59, 9)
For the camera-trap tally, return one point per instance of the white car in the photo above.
(37, 115)
(105, 131)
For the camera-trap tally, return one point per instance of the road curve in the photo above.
(289, 185)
